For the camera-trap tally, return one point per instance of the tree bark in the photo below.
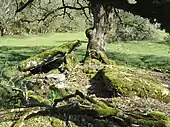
(102, 16)
(2, 30)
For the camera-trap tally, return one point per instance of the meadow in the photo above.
(141, 54)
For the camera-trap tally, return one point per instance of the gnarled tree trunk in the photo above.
(96, 35)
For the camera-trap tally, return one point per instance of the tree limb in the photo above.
(24, 6)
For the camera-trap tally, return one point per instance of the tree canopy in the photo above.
(153, 9)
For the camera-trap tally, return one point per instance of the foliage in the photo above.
(133, 27)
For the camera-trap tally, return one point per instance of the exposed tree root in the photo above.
(97, 109)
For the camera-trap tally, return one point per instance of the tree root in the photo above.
(97, 109)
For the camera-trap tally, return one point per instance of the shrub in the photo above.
(134, 27)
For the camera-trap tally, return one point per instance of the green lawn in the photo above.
(136, 54)
(141, 54)
(41, 40)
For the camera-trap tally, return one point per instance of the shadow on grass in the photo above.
(140, 61)
(10, 55)
(13, 55)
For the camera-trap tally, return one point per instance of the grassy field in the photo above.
(136, 54)
(140, 54)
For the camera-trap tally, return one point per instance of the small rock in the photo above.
(60, 77)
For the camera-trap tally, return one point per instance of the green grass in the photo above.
(140, 54)
(145, 54)
(41, 40)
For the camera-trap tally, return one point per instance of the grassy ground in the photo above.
(140, 54)
(136, 54)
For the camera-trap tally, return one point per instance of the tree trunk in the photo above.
(97, 34)
(2, 31)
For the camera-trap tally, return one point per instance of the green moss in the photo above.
(57, 93)
(159, 116)
(97, 54)
(89, 70)
(155, 119)
(43, 121)
(13, 72)
(90, 61)
(144, 120)
(37, 98)
(48, 55)
(54, 71)
(104, 58)
(106, 112)
(6, 124)
(91, 66)
(71, 61)
(94, 111)
(151, 123)
(129, 82)
(56, 122)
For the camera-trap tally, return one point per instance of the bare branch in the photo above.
(117, 14)
(24, 6)
(65, 12)
(84, 12)
(74, 8)
(16, 1)
(63, 2)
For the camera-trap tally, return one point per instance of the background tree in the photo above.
(134, 28)
(7, 10)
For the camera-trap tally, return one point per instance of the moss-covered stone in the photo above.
(128, 82)
(49, 55)
(13, 72)
(37, 99)
(40, 121)
(92, 66)
(71, 61)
